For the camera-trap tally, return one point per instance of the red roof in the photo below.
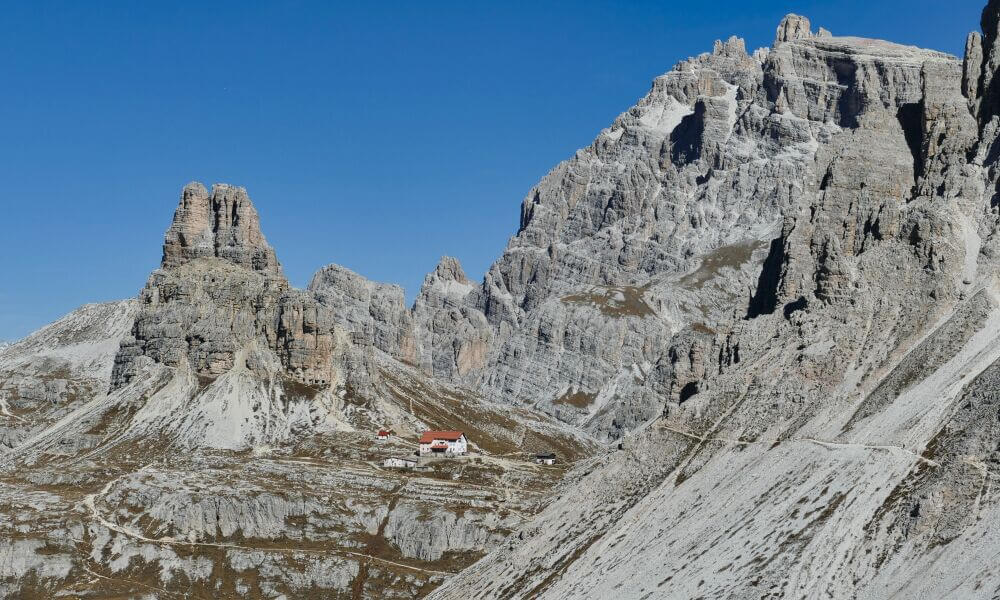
(383, 433)
(430, 436)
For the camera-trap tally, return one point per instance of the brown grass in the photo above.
(297, 389)
(633, 304)
(579, 399)
(733, 257)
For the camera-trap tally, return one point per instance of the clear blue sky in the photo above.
(376, 135)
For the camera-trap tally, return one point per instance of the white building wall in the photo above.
(459, 446)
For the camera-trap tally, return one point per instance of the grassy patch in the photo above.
(297, 389)
(578, 398)
(625, 301)
(714, 262)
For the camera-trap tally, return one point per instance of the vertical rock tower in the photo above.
(220, 307)
(223, 224)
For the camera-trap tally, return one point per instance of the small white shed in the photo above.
(546, 458)
(400, 462)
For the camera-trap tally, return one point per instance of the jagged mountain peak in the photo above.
(449, 268)
(734, 47)
(447, 279)
(773, 283)
(845, 417)
(222, 223)
(793, 27)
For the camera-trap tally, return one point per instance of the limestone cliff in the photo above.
(773, 285)
(832, 439)
(223, 224)
(687, 213)
(220, 307)
(214, 437)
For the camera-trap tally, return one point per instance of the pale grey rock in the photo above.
(793, 27)
(374, 314)
(223, 224)
(984, 50)
(429, 536)
(972, 68)
(258, 358)
(835, 442)
(453, 336)
(772, 283)
(18, 558)
(50, 373)
(575, 302)
(714, 157)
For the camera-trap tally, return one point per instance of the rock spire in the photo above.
(222, 224)
(792, 27)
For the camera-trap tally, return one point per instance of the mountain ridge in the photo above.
(758, 318)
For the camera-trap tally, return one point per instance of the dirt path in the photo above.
(823, 443)
(832, 445)
(132, 583)
(5, 409)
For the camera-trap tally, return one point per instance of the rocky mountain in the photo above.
(215, 437)
(758, 319)
(47, 375)
(838, 439)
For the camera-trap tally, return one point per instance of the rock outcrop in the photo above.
(454, 338)
(791, 28)
(773, 285)
(374, 314)
(220, 307)
(223, 224)
(830, 441)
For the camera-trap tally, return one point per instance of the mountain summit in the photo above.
(757, 321)
(223, 224)
(828, 425)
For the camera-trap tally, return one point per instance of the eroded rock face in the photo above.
(669, 213)
(426, 536)
(220, 305)
(792, 27)
(442, 333)
(307, 340)
(199, 315)
(223, 224)
(375, 314)
(454, 338)
(578, 302)
(832, 440)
